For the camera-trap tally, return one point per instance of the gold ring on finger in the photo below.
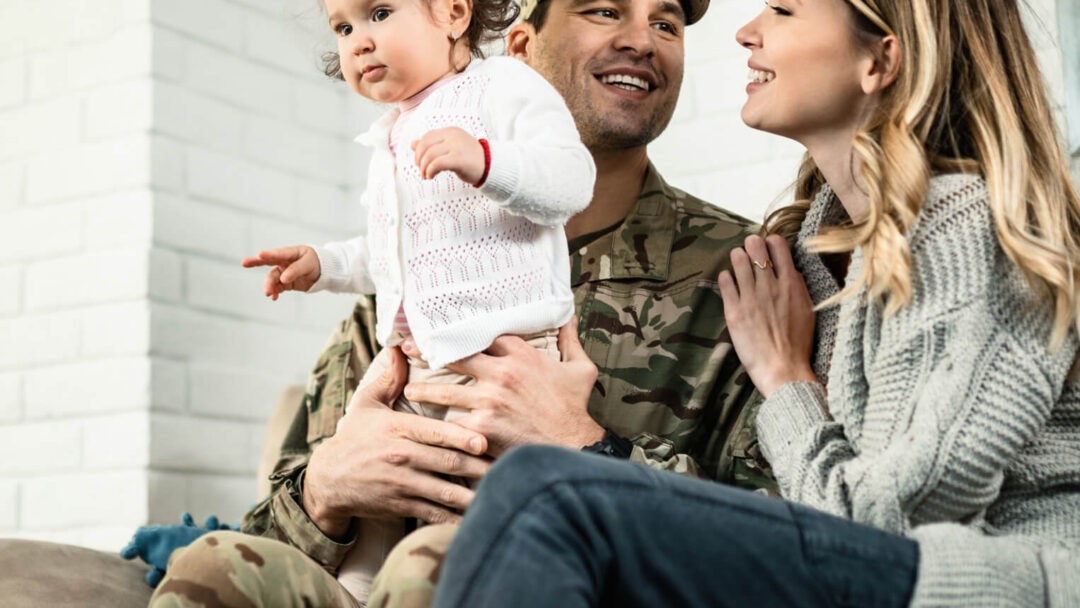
(763, 265)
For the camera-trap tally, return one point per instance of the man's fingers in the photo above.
(440, 492)
(506, 345)
(450, 395)
(385, 389)
(471, 366)
(449, 462)
(428, 511)
(569, 343)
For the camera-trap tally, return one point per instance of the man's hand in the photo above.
(294, 268)
(521, 396)
(382, 463)
(449, 149)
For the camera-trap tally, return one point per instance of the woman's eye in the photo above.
(779, 10)
(343, 29)
(380, 14)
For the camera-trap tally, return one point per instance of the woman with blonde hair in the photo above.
(924, 422)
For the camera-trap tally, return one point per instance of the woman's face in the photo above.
(806, 68)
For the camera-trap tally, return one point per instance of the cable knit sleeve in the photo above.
(932, 403)
(539, 168)
(977, 396)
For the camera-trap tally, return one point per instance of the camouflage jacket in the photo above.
(652, 321)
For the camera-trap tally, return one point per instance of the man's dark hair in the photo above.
(539, 15)
(490, 18)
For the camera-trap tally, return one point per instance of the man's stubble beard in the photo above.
(599, 130)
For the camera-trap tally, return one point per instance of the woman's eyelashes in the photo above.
(779, 10)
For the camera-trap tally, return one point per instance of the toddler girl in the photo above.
(473, 175)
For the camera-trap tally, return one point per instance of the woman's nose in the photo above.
(749, 35)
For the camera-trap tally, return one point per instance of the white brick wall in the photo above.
(146, 146)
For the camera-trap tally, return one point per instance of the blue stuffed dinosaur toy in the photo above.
(154, 544)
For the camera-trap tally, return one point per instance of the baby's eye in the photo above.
(380, 14)
(343, 29)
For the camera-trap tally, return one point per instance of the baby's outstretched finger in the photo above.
(272, 285)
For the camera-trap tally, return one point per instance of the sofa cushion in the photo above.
(37, 574)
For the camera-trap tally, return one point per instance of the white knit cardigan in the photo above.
(953, 424)
(469, 264)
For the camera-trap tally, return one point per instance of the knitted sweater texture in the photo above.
(470, 264)
(952, 421)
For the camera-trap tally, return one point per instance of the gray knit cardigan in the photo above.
(953, 423)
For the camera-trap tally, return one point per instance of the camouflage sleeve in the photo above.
(334, 377)
(658, 454)
(733, 451)
(726, 449)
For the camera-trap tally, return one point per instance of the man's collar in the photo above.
(640, 248)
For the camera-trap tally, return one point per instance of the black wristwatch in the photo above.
(611, 445)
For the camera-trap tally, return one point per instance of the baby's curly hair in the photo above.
(490, 18)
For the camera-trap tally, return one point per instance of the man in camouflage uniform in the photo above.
(668, 390)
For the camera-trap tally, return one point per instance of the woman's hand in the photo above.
(769, 313)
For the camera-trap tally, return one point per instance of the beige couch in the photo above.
(48, 575)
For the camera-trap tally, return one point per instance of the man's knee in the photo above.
(208, 571)
(411, 571)
(239, 570)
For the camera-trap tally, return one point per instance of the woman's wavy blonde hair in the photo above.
(969, 97)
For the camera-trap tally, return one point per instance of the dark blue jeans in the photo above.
(551, 527)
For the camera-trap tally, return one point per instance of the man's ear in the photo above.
(519, 41)
(886, 66)
(460, 15)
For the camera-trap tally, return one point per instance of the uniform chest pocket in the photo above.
(658, 353)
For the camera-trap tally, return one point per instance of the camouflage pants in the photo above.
(233, 570)
(408, 578)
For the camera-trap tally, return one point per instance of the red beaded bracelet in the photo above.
(487, 162)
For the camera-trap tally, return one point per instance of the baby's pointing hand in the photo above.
(294, 268)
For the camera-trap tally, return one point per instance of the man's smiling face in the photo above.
(617, 63)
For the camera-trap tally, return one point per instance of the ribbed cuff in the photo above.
(787, 414)
(959, 566)
(504, 174)
(297, 528)
(333, 274)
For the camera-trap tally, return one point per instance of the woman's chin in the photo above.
(753, 119)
